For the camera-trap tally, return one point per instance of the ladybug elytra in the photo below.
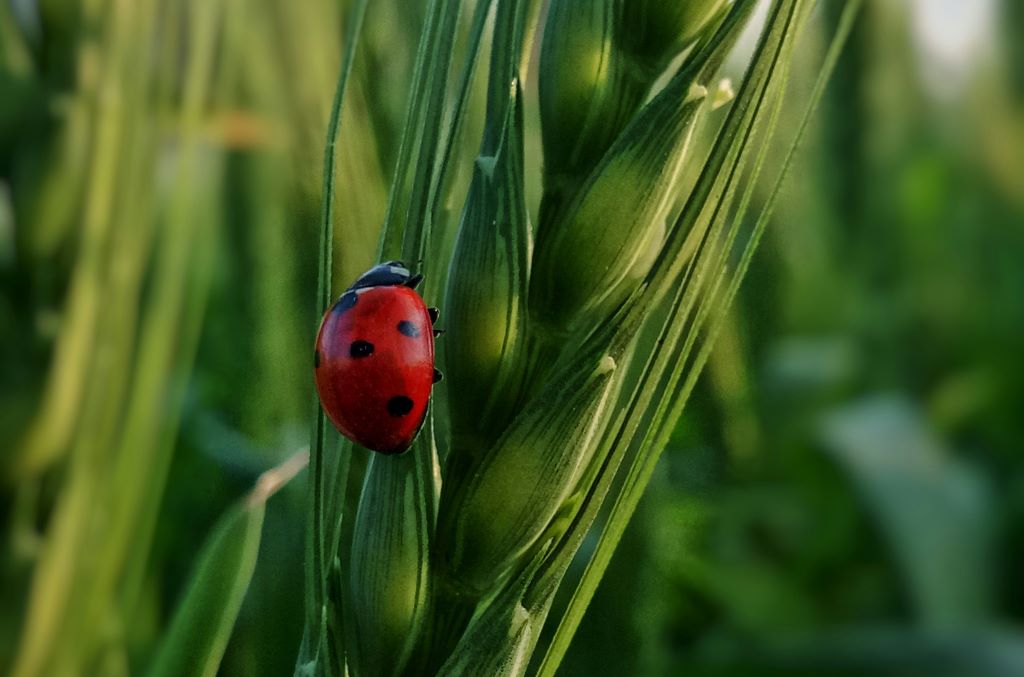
(374, 360)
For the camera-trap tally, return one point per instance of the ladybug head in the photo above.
(389, 274)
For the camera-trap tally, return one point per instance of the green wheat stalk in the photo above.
(553, 368)
(555, 347)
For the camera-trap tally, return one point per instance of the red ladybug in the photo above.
(374, 361)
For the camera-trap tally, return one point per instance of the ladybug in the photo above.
(374, 359)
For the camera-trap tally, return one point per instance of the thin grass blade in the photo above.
(317, 539)
(202, 623)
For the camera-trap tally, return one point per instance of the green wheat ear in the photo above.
(598, 62)
(567, 359)
(485, 309)
(492, 516)
(590, 261)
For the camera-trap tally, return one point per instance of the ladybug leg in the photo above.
(438, 332)
(434, 314)
(414, 281)
(437, 376)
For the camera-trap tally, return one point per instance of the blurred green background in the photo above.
(845, 494)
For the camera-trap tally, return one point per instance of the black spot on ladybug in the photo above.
(399, 405)
(316, 359)
(360, 349)
(347, 300)
(434, 314)
(407, 328)
(437, 376)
